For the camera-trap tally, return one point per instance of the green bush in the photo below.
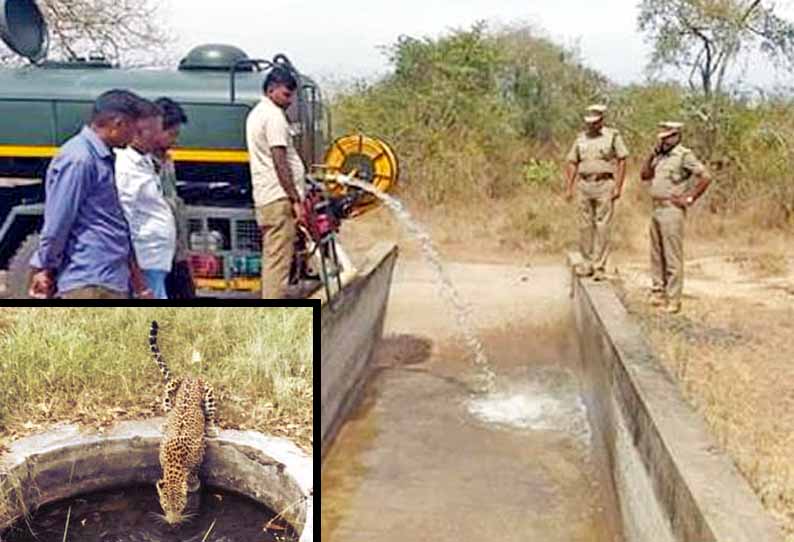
(542, 172)
(466, 111)
(490, 113)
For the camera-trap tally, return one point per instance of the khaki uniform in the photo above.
(267, 127)
(596, 158)
(278, 247)
(673, 172)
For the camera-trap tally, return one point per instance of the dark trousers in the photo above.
(179, 282)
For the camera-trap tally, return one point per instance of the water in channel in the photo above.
(424, 459)
(446, 286)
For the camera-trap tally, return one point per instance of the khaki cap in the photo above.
(595, 113)
(668, 128)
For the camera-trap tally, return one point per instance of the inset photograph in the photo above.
(166, 424)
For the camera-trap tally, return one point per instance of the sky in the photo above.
(341, 40)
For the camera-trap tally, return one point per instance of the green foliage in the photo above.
(637, 110)
(542, 172)
(483, 113)
(746, 146)
(468, 109)
(756, 160)
(545, 85)
(705, 37)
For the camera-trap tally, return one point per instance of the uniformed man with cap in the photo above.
(676, 180)
(597, 166)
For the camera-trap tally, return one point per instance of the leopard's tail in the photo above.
(158, 358)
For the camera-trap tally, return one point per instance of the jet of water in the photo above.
(448, 290)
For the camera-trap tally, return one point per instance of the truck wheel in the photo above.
(19, 268)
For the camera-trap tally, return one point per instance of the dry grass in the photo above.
(12, 501)
(732, 361)
(762, 264)
(535, 223)
(92, 366)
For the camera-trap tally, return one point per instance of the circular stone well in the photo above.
(67, 462)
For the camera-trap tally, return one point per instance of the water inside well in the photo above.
(129, 515)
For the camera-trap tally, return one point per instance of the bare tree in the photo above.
(129, 32)
(705, 37)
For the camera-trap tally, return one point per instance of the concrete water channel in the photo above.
(586, 437)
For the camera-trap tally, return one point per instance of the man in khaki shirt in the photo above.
(277, 177)
(597, 166)
(669, 172)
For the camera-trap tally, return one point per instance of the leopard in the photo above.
(189, 404)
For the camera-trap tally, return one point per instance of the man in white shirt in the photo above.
(277, 177)
(151, 220)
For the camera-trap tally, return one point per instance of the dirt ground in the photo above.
(730, 349)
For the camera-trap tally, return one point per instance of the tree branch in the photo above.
(695, 68)
(706, 70)
(743, 18)
(118, 28)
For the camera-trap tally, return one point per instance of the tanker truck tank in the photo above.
(43, 106)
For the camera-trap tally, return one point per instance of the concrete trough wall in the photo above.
(351, 327)
(672, 482)
(66, 462)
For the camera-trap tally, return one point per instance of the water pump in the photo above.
(328, 201)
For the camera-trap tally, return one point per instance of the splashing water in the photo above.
(548, 400)
(448, 290)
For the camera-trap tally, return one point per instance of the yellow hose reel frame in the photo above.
(369, 158)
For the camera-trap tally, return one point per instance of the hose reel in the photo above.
(371, 160)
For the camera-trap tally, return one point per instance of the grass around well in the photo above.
(92, 366)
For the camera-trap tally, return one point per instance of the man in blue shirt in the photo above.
(85, 250)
